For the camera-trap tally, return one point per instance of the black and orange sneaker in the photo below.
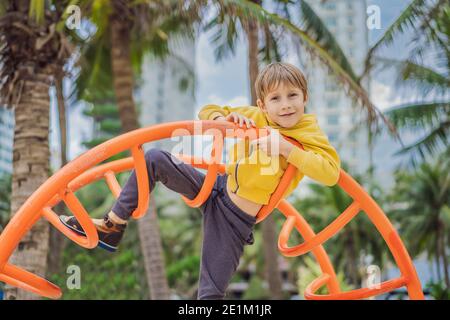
(109, 232)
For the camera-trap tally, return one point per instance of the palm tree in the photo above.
(57, 239)
(32, 49)
(128, 31)
(426, 70)
(125, 34)
(422, 199)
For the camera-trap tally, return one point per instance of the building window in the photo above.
(349, 5)
(159, 104)
(333, 137)
(333, 119)
(329, 5)
(330, 86)
(160, 90)
(330, 22)
(350, 21)
(331, 103)
(161, 75)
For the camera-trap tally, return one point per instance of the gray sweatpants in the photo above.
(226, 228)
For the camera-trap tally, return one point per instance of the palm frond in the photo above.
(429, 21)
(271, 46)
(225, 34)
(99, 13)
(407, 19)
(431, 144)
(163, 20)
(434, 25)
(187, 67)
(156, 23)
(418, 116)
(24, 41)
(37, 10)
(3, 7)
(94, 71)
(355, 91)
(421, 190)
(424, 79)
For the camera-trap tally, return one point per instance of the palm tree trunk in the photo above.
(151, 248)
(30, 170)
(352, 270)
(253, 66)
(437, 256)
(272, 270)
(123, 73)
(123, 88)
(370, 142)
(443, 254)
(57, 239)
(61, 116)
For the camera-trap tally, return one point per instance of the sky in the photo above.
(226, 82)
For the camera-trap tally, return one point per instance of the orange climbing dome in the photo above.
(86, 169)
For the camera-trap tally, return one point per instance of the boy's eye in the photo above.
(274, 98)
(293, 95)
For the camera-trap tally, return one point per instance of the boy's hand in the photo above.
(273, 144)
(237, 118)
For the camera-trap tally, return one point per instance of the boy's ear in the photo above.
(261, 105)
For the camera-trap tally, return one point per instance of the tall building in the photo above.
(6, 140)
(337, 114)
(167, 94)
(167, 90)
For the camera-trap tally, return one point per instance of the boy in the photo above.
(229, 214)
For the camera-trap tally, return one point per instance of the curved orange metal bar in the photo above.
(362, 293)
(142, 181)
(323, 236)
(86, 169)
(211, 176)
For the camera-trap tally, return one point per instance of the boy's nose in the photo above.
(286, 107)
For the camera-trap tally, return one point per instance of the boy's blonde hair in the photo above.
(279, 72)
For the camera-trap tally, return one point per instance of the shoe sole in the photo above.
(101, 244)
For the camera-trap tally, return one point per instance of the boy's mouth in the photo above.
(287, 114)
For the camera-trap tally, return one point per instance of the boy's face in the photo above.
(284, 105)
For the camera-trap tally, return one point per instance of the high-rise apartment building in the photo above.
(167, 90)
(6, 140)
(337, 113)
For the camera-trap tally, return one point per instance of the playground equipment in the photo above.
(85, 170)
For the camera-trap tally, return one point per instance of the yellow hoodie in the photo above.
(255, 175)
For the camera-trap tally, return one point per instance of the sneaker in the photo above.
(109, 233)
